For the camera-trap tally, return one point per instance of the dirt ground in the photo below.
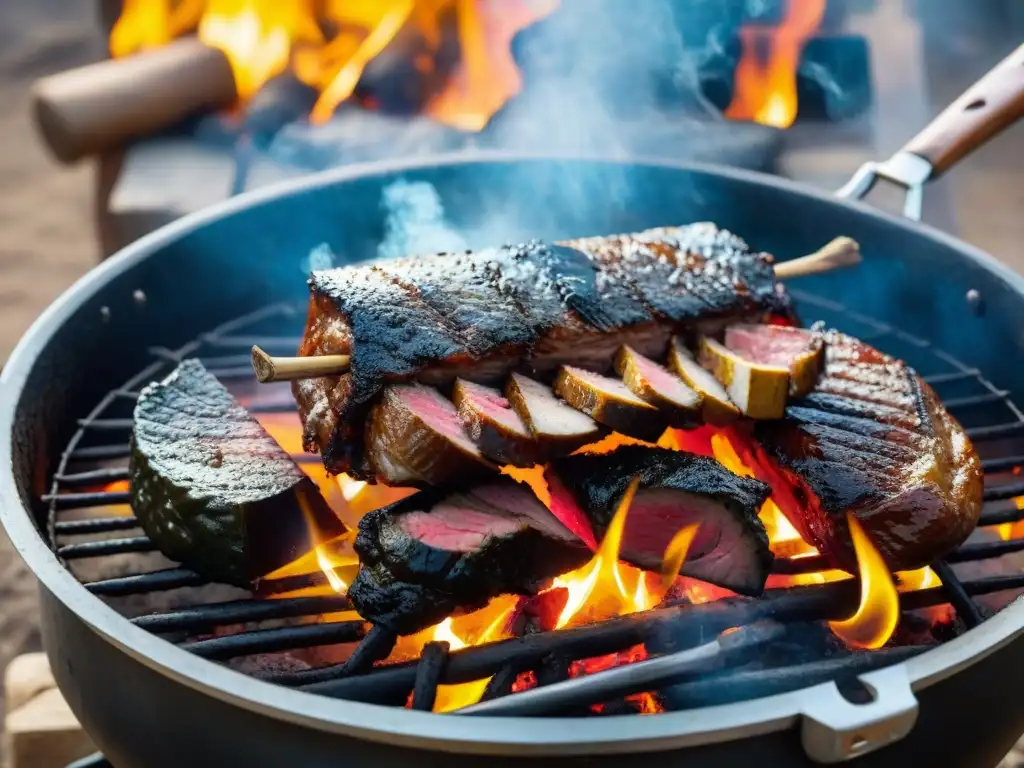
(48, 241)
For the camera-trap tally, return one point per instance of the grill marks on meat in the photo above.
(535, 306)
(435, 554)
(905, 467)
(676, 489)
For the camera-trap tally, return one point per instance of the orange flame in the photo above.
(876, 617)
(1008, 531)
(263, 38)
(765, 79)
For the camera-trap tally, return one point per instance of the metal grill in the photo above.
(97, 455)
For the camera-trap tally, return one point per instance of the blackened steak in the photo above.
(872, 439)
(435, 554)
(676, 489)
(536, 307)
(212, 488)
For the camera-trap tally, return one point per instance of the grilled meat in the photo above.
(414, 437)
(874, 440)
(433, 554)
(801, 352)
(676, 489)
(716, 407)
(759, 391)
(609, 402)
(556, 427)
(493, 424)
(212, 488)
(678, 402)
(537, 307)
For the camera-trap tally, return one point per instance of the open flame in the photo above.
(328, 44)
(764, 88)
(876, 617)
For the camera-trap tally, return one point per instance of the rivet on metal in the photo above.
(974, 301)
(105, 313)
(139, 296)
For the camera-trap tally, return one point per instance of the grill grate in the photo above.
(991, 418)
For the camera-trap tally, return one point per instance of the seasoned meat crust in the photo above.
(532, 307)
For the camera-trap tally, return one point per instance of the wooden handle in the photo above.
(841, 252)
(992, 104)
(100, 107)
(270, 368)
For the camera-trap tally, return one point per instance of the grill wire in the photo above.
(993, 422)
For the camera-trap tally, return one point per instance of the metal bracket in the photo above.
(903, 169)
(834, 729)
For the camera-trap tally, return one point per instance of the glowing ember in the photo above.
(879, 611)
(765, 81)
(1008, 531)
(263, 38)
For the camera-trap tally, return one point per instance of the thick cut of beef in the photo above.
(533, 307)
(676, 489)
(212, 488)
(435, 553)
(871, 439)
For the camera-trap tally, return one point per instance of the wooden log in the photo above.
(40, 731)
(101, 106)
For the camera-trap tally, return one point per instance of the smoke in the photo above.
(414, 221)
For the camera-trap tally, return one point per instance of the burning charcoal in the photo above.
(650, 381)
(676, 489)
(556, 426)
(716, 407)
(609, 402)
(212, 488)
(414, 436)
(800, 350)
(432, 554)
(494, 425)
(885, 450)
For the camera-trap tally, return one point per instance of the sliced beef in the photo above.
(558, 428)
(493, 424)
(676, 489)
(904, 467)
(678, 401)
(609, 402)
(437, 553)
(212, 488)
(532, 307)
(800, 350)
(716, 407)
(759, 391)
(414, 437)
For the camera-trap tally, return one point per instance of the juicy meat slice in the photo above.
(414, 437)
(435, 554)
(609, 402)
(800, 350)
(493, 424)
(678, 401)
(906, 469)
(533, 307)
(758, 390)
(557, 427)
(212, 488)
(676, 489)
(716, 407)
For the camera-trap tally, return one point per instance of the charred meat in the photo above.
(437, 553)
(676, 489)
(212, 488)
(556, 427)
(874, 440)
(534, 307)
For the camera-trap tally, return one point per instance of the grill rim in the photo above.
(423, 730)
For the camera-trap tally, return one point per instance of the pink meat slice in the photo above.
(456, 527)
(774, 345)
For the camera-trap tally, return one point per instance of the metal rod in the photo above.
(965, 607)
(1005, 491)
(638, 677)
(277, 639)
(141, 583)
(202, 618)
(93, 477)
(96, 525)
(86, 500)
(106, 547)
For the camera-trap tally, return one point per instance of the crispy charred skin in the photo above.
(533, 307)
(872, 439)
(676, 489)
(437, 552)
(212, 488)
